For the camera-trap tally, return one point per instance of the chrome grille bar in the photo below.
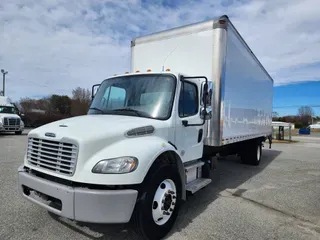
(51, 155)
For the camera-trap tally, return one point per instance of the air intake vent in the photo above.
(136, 132)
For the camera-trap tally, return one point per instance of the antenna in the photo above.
(169, 56)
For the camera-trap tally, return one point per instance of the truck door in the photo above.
(189, 139)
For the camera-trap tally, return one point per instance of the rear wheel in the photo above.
(252, 155)
(158, 205)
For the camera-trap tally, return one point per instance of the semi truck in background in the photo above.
(10, 121)
(150, 134)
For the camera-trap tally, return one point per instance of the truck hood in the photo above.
(94, 128)
(93, 134)
(10, 115)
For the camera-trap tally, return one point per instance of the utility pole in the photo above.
(3, 80)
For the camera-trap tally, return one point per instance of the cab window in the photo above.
(188, 100)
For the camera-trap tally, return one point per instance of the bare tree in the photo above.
(27, 104)
(306, 114)
(81, 94)
(275, 115)
(81, 99)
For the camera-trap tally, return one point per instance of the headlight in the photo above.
(116, 165)
(21, 123)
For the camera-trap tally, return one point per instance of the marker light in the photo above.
(137, 71)
(168, 70)
(222, 21)
(149, 70)
(126, 72)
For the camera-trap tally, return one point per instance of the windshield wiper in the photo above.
(97, 109)
(138, 113)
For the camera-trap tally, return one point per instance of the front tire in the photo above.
(159, 202)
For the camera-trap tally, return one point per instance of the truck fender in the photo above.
(171, 152)
(146, 149)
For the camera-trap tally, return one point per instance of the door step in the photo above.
(193, 165)
(197, 184)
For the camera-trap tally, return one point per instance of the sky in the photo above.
(288, 98)
(54, 46)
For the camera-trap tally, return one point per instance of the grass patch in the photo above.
(282, 141)
(315, 130)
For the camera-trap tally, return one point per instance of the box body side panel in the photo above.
(246, 108)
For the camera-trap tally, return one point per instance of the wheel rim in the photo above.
(258, 153)
(164, 202)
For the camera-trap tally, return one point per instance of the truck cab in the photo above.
(164, 103)
(10, 121)
(142, 128)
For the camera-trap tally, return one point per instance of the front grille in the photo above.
(11, 122)
(60, 157)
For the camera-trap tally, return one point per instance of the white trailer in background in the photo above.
(149, 136)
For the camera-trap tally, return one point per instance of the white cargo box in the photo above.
(242, 89)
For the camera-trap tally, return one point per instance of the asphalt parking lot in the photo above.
(280, 199)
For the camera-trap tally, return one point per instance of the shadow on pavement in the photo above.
(230, 174)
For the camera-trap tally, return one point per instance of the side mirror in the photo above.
(205, 93)
(94, 87)
(206, 110)
(206, 114)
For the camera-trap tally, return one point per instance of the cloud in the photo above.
(54, 46)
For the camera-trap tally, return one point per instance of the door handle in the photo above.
(200, 134)
(185, 123)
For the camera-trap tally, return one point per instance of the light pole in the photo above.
(3, 80)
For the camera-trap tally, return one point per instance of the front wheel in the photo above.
(158, 204)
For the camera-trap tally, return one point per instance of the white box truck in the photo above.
(9, 120)
(149, 137)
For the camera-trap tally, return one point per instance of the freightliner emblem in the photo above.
(50, 134)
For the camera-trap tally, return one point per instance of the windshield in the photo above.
(149, 95)
(6, 109)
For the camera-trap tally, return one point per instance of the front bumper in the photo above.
(80, 204)
(5, 128)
